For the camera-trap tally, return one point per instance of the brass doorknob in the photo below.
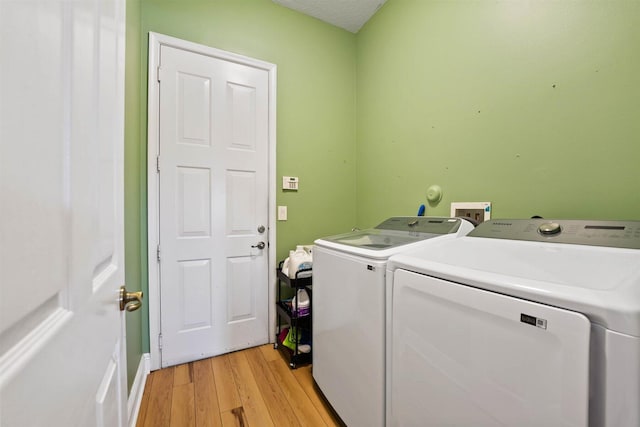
(130, 301)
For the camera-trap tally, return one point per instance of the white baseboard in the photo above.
(137, 388)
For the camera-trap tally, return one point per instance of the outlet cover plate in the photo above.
(478, 211)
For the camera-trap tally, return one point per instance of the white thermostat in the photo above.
(289, 182)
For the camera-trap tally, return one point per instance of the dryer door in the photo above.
(461, 356)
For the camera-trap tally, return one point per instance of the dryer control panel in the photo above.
(615, 234)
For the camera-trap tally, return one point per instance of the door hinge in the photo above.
(160, 341)
(158, 71)
(158, 253)
(158, 163)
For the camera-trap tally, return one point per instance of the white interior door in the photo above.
(62, 342)
(213, 205)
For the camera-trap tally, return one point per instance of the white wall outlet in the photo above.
(282, 213)
(290, 183)
(477, 211)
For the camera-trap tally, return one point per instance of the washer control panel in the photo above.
(615, 234)
(421, 224)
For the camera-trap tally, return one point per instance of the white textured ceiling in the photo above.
(348, 14)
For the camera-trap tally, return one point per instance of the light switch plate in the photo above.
(282, 213)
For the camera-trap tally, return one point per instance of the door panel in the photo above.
(241, 206)
(213, 192)
(193, 109)
(26, 202)
(62, 255)
(195, 285)
(194, 202)
(107, 412)
(242, 102)
(241, 302)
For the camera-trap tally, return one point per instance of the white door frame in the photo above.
(153, 102)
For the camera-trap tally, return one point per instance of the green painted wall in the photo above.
(532, 105)
(316, 102)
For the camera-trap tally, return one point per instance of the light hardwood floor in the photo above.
(249, 388)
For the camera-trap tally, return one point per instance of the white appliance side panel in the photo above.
(621, 384)
(348, 335)
(461, 356)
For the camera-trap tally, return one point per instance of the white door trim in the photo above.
(155, 42)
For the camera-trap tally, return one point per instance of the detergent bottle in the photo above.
(285, 264)
(299, 260)
(300, 303)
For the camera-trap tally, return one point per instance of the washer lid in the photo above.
(397, 231)
(376, 239)
(601, 282)
(382, 241)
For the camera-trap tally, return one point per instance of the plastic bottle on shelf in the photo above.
(300, 303)
(285, 264)
(299, 260)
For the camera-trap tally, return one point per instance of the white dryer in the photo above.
(349, 310)
(520, 323)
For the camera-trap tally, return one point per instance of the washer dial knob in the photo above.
(549, 229)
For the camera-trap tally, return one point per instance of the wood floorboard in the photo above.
(144, 403)
(228, 397)
(305, 379)
(161, 394)
(269, 353)
(183, 412)
(303, 408)
(252, 402)
(234, 418)
(206, 398)
(277, 404)
(249, 388)
(182, 374)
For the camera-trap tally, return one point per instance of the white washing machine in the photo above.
(349, 310)
(520, 323)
